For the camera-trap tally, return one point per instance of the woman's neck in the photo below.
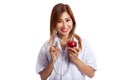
(63, 38)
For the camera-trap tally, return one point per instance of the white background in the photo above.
(24, 27)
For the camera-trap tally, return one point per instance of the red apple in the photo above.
(71, 43)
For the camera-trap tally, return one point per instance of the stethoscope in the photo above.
(61, 74)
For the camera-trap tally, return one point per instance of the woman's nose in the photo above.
(64, 24)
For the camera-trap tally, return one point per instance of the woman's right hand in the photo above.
(54, 52)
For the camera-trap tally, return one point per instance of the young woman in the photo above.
(58, 61)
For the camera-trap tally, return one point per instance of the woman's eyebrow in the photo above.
(64, 18)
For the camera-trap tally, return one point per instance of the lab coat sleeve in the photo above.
(42, 60)
(90, 56)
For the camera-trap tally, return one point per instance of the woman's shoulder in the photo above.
(46, 43)
(85, 42)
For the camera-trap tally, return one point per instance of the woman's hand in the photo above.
(54, 52)
(73, 53)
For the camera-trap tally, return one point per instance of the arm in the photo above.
(46, 71)
(84, 68)
(54, 52)
(89, 71)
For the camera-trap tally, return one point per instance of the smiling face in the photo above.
(64, 24)
(62, 20)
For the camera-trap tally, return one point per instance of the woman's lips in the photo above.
(64, 30)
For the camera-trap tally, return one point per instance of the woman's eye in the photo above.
(67, 20)
(59, 21)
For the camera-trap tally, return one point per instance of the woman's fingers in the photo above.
(73, 54)
(73, 50)
(54, 52)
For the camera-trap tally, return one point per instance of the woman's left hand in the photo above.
(73, 53)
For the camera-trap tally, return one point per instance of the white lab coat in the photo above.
(86, 55)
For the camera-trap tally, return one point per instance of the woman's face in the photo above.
(64, 24)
